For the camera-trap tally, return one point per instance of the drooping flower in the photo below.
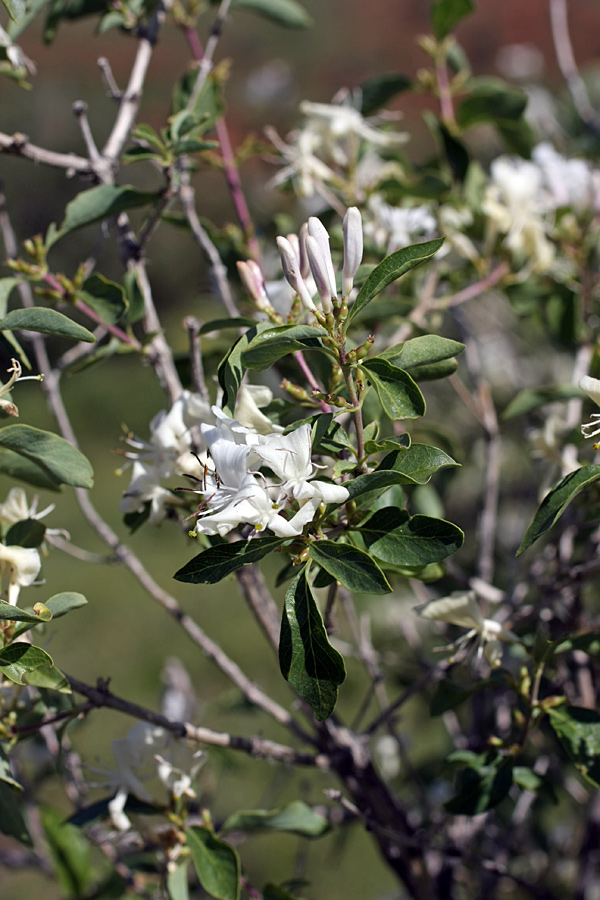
(461, 608)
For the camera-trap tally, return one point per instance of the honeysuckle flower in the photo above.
(461, 608)
(16, 507)
(251, 399)
(15, 373)
(290, 263)
(591, 386)
(19, 567)
(353, 248)
(394, 227)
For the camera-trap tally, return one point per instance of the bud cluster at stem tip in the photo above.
(309, 253)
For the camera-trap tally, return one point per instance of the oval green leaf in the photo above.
(295, 818)
(19, 658)
(46, 321)
(217, 864)
(350, 566)
(215, 563)
(398, 394)
(58, 460)
(394, 537)
(273, 343)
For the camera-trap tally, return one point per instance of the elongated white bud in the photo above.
(251, 277)
(317, 230)
(290, 264)
(304, 264)
(591, 386)
(319, 272)
(353, 248)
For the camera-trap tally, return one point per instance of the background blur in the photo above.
(271, 71)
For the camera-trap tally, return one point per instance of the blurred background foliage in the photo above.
(271, 70)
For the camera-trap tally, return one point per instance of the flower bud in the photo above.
(319, 271)
(353, 248)
(304, 264)
(251, 277)
(290, 264)
(317, 230)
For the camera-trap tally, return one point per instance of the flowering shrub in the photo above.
(343, 466)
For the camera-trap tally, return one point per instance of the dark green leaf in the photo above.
(588, 642)
(217, 864)
(454, 150)
(482, 786)
(449, 695)
(102, 202)
(11, 817)
(399, 395)
(421, 351)
(518, 136)
(274, 342)
(231, 371)
(136, 305)
(46, 321)
(70, 853)
(446, 14)
(556, 501)
(220, 324)
(288, 13)
(5, 774)
(19, 658)
(490, 100)
(26, 533)
(350, 566)
(416, 463)
(215, 563)
(15, 614)
(296, 818)
(377, 91)
(394, 537)
(107, 298)
(578, 730)
(59, 461)
(308, 661)
(16, 466)
(274, 892)
(390, 269)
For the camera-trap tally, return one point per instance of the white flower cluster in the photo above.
(523, 197)
(173, 435)
(147, 752)
(236, 493)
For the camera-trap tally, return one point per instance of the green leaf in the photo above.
(220, 324)
(394, 537)
(177, 882)
(556, 501)
(446, 14)
(308, 662)
(16, 466)
(578, 730)
(6, 288)
(450, 695)
(46, 321)
(102, 202)
(15, 614)
(296, 818)
(390, 269)
(231, 371)
(350, 566)
(399, 395)
(273, 343)
(215, 563)
(530, 400)
(482, 786)
(11, 817)
(217, 864)
(422, 351)
(60, 462)
(588, 642)
(49, 678)
(15, 9)
(416, 463)
(5, 774)
(377, 91)
(61, 604)
(26, 533)
(288, 13)
(19, 658)
(274, 892)
(70, 853)
(107, 298)
(490, 100)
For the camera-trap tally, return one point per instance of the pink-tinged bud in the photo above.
(317, 230)
(304, 264)
(290, 264)
(353, 248)
(251, 277)
(319, 271)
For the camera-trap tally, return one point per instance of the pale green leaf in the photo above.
(296, 818)
(102, 202)
(217, 864)
(288, 13)
(59, 461)
(46, 321)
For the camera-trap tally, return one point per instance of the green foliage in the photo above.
(446, 14)
(15, 9)
(46, 321)
(578, 730)
(295, 818)
(216, 563)
(288, 13)
(12, 822)
(217, 864)
(19, 659)
(70, 852)
(375, 92)
(273, 343)
(394, 537)
(102, 202)
(42, 458)
(391, 269)
(350, 566)
(400, 397)
(556, 501)
(483, 783)
(231, 370)
(307, 660)
(107, 298)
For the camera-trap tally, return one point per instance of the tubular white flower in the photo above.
(290, 264)
(461, 608)
(353, 248)
(317, 230)
(591, 386)
(20, 567)
(319, 271)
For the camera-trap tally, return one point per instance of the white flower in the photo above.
(591, 386)
(394, 227)
(461, 608)
(16, 507)
(19, 567)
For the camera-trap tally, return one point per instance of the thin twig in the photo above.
(566, 61)
(206, 63)
(20, 145)
(192, 327)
